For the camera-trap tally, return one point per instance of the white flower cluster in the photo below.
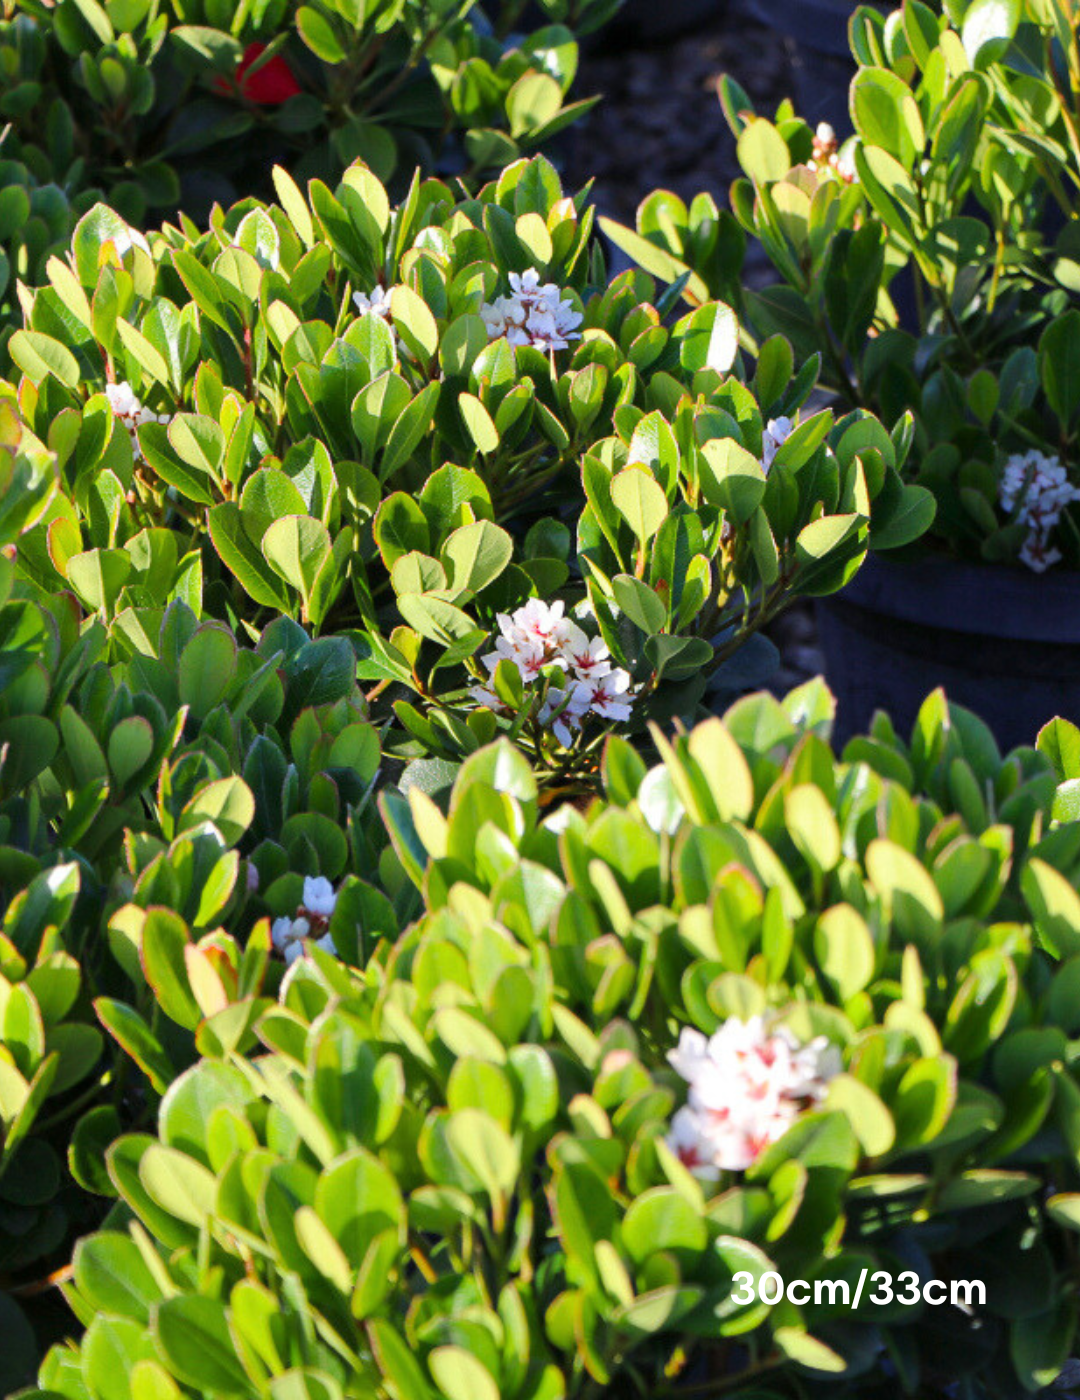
(827, 158)
(777, 432)
(541, 641)
(133, 414)
(312, 921)
(747, 1086)
(1040, 486)
(534, 313)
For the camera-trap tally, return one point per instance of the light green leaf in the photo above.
(475, 555)
(640, 500)
(460, 1375)
(38, 356)
(732, 478)
(227, 802)
(479, 422)
(297, 547)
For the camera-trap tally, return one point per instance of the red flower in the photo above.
(271, 85)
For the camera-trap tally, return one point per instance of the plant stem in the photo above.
(920, 297)
(39, 1285)
(723, 1385)
(408, 68)
(61, 1115)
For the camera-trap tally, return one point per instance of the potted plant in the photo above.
(341, 409)
(932, 261)
(713, 1090)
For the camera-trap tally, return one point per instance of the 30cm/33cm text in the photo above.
(879, 1288)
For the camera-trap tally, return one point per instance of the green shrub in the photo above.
(36, 219)
(959, 193)
(113, 752)
(204, 789)
(153, 772)
(52, 1063)
(318, 409)
(1059, 741)
(456, 1174)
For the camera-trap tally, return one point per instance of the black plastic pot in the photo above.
(1003, 642)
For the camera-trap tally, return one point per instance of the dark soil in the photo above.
(659, 123)
(659, 126)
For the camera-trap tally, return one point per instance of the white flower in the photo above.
(122, 400)
(1035, 554)
(563, 710)
(319, 896)
(845, 164)
(487, 698)
(777, 432)
(534, 313)
(506, 317)
(693, 1147)
(816, 1062)
(531, 662)
(828, 159)
(748, 1084)
(133, 414)
(526, 285)
(589, 657)
(607, 695)
(373, 303)
(529, 657)
(691, 1054)
(311, 923)
(537, 624)
(495, 318)
(289, 935)
(1036, 489)
(544, 644)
